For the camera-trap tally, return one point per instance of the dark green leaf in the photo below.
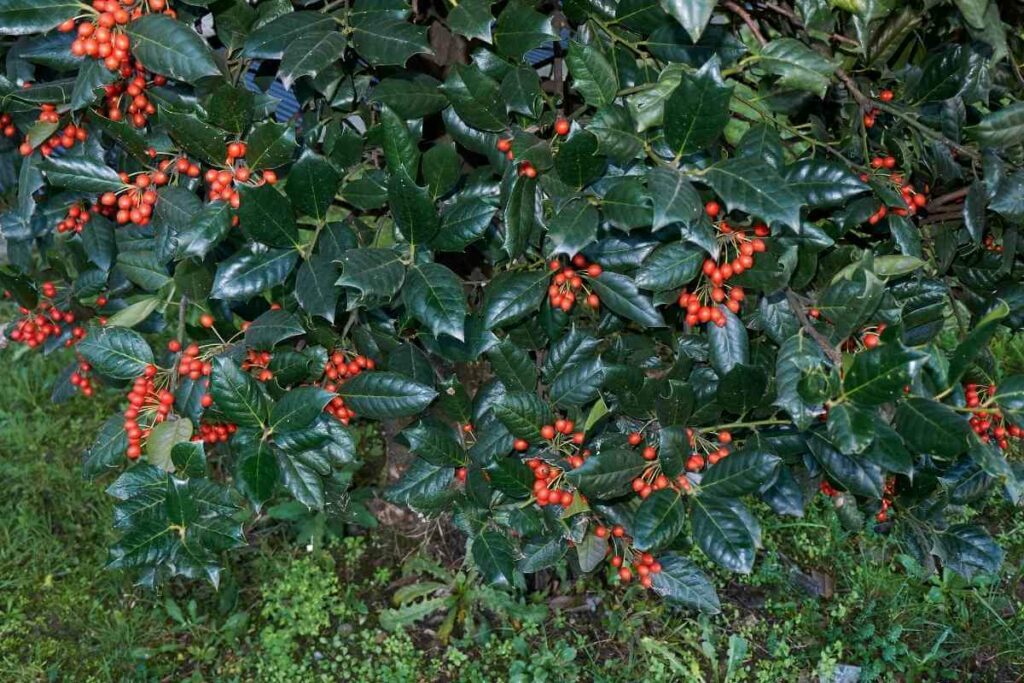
(510, 297)
(383, 395)
(697, 110)
(116, 352)
(412, 209)
(272, 327)
(312, 184)
(238, 395)
(434, 296)
(251, 271)
(494, 558)
(932, 428)
(660, 518)
(166, 46)
(726, 532)
(608, 473)
(620, 294)
(755, 188)
(682, 583)
(266, 216)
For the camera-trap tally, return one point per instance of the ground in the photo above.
(819, 598)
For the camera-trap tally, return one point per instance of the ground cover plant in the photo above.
(621, 278)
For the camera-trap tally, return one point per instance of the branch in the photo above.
(747, 19)
(947, 198)
(863, 100)
(925, 130)
(801, 316)
(794, 19)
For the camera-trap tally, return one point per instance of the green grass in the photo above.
(285, 614)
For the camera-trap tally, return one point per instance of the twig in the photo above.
(747, 19)
(182, 308)
(556, 65)
(947, 198)
(925, 130)
(352, 317)
(801, 316)
(863, 100)
(794, 18)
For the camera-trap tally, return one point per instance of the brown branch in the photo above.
(794, 19)
(947, 198)
(862, 99)
(747, 19)
(798, 310)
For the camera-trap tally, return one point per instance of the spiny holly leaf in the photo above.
(433, 294)
(755, 187)
(621, 296)
(932, 427)
(697, 110)
(510, 297)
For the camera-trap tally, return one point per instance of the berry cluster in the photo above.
(339, 368)
(213, 433)
(258, 361)
(48, 320)
(988, 422)
(526, 168)
(547, 480)
(990, 244)
(869, 117)
(75, 219)
(133, 92)
(190, 364)
(133, 204)
(101, 35)
(148, 402)
(707, 451)
(913, 200)
(700, 305)
(7, 126)
(81, 378)
(222, 182)
(567, 286)
(66, 138)
(887, 495)
(644, 564)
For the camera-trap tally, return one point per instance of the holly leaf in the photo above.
(434, 296)
(240, 397)
(660, 518)
(171, 48)
(116, 352)
(697, 110)
(754, 187)
(384, 395)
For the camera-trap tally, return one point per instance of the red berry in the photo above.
(562, 126)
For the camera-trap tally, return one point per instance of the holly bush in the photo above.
(622, 276)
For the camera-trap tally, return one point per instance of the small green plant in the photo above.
(459, 596)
